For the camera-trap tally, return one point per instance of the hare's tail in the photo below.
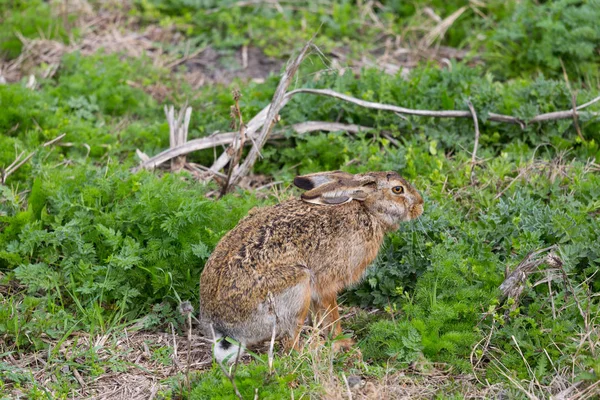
(226, 349)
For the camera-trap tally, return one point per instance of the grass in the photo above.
(95, 260)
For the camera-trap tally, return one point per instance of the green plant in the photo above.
(113, 243)
(551, 38)
(400, 342)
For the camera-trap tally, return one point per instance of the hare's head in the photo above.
(386, 195)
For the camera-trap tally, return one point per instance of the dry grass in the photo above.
(137, 372)
(109, 27)
(141, 365)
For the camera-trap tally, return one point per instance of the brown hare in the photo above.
(265, 274)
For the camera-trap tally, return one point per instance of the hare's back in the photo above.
(268, 252)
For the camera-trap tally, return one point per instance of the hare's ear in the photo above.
(334, 188)
(312, 181)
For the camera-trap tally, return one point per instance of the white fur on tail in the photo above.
(225, 350)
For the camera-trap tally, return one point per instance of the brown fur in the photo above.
(279, 259)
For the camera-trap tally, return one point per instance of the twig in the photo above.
(403, 110)
(236, 147)
(56, 139)
(391, 139)
(474, 156)
(178, 132)
(271, 347)
(551, 295)
(276, 104)
(520, 174)
(231, 376)
(228, 138)
(575, 119)
(186, 309)
(441, 28)
(18, 162)
(175, 356)
(347, 386)
(268, 185)
(513, 286)
(589, 103)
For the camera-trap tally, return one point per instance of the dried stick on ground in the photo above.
(575, 118)
(237, 146)
(276, 104)
(260, 118)
(229, 375)
(514, 283)
(476, 123)
(178, 132)
(553, 116)
(226, 138)
(253, 127)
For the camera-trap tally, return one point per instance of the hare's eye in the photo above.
(398, 189)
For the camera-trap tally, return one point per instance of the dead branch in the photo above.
(258, 120)
(237, 146)
(514, 283)
(178, 132)
(403, 110)
(230, 376)
(267, 113)
(228, 138)
(575, 119)
(553, 116)
(276, 104)
(476, 123)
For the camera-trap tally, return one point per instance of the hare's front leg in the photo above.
(328, 315)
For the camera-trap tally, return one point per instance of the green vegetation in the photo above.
(88, 247)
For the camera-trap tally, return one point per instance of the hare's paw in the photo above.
(343, 344)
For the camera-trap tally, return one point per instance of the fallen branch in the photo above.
(514, 283)
(272, 115)
(265, 114)
(236, 148)
(178, 132)
(226, 138)
(557, 115)
(476, 123)
(260, 117)
(231, 375)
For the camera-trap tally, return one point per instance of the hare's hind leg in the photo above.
(293, 334)
(287, 301)
(292, 304)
